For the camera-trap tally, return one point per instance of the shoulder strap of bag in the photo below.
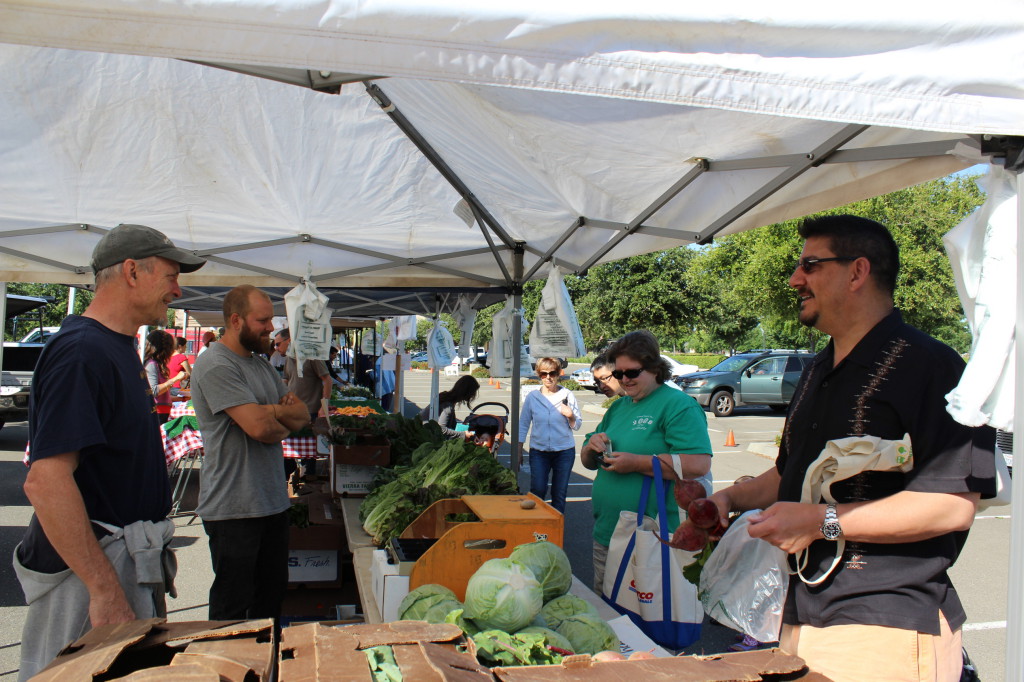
(666, 561)
(801, 563)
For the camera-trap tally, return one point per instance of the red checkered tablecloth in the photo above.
(182, 408)
(300, 447)
(189, 440)
(179, 446)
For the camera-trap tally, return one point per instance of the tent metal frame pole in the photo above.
(403, 123)
(517, 342)
(490, 244)
(813, 158)
(1015, 588)
(699, 168)
(576, 225)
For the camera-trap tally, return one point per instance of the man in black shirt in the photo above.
(98, 479)
(887, 610)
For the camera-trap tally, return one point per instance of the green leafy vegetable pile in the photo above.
(505, 613)
(450, 470)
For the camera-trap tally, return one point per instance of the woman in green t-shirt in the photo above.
(653, 418)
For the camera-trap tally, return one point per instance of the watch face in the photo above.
(831, 530)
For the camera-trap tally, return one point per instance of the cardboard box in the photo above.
(367, 451)
(230, 651)
(315, 555)
(423, 652)
(350, 480)
(389, 587)
(746, 665)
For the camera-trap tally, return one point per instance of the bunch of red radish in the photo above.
(702, 520)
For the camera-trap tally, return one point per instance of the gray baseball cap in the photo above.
(138, 242)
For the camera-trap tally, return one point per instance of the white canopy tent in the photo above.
(469, 146)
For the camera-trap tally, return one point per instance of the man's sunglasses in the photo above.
(545, 375)
(628, 373)
(809, 264)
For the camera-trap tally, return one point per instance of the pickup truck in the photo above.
(19, 361)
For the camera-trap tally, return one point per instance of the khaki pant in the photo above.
(858, 653)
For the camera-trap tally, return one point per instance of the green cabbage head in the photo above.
(503, 595)
(549, 565)
(588, 634)
(550, 636)
(560, 608)
(414, 605)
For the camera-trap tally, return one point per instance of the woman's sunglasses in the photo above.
(545, 375)
(628, 373)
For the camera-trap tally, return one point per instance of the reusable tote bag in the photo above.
(644, 577)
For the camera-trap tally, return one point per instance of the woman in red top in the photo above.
(179, 363)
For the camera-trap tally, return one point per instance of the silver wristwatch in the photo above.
(831, 528)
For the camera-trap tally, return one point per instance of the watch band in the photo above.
(830, 528)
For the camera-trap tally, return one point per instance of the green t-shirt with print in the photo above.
(666, 421)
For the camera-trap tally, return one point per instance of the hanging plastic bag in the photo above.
(440, 346)
(744, 583)
(465, 318)
(503, 348)
(309, 323)
(556, 331)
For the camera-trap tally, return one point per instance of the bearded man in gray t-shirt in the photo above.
(244, 411)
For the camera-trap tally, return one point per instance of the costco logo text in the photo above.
(644, 597)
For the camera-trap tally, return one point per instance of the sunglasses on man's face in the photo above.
(545, 375)
(628, 373)
(809, 265)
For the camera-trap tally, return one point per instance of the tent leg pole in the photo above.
(435, 375)
(1015, 588)
(517, 342)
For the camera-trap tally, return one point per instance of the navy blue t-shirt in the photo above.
(90, 395)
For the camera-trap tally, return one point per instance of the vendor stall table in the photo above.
(362, 547)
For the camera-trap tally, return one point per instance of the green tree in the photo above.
(53, 314)
(752, 268)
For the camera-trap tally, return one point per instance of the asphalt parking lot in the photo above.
(980, 575)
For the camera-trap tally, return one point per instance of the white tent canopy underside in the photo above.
(271, 180)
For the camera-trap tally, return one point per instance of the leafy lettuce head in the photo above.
(503, 595)
(549, 565)
(588, 634)
(415, 605)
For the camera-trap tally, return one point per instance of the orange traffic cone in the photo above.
(490, 381)
(730, 440)
(497, 385)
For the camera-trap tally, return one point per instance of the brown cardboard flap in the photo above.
(454, 666)
(130, 648)
(95, 652)
(215, 629)
(315, 652)
(227, 670)
(414, 664)
(256, 656)
(166, 673)
(734, 667)
(404, 632)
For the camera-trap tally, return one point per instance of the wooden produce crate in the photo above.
(461, 548)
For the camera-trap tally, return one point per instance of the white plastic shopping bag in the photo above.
(743, 585)
(309, 323)
(502, 351)
(440, 346)
(556, 332)
(465, 318)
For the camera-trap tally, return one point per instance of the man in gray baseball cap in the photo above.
(138, 242)
(98, 479)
